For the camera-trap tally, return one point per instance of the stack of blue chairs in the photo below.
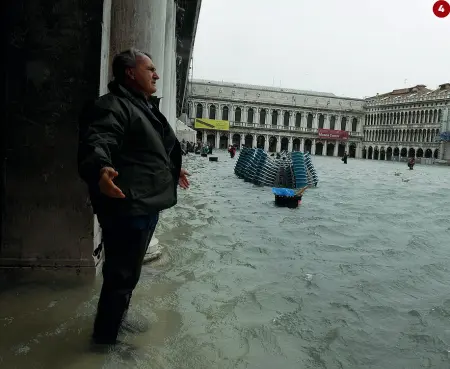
(259, 162)
(313, 180)
(243, 164)
(291, 170)
(298, 164)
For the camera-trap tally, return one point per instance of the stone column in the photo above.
(336, 148)
(290, 144)
(266, 143)
(278, 149)
(140, 24)
(291, 120)
(149, 26)
(304, 120)
(315, 120)
(255, 142)
(302, 145)
(244, 115)
(217, 140)
(168, 102)
(313, 147)
(326, 124)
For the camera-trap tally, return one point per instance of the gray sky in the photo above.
(348, 47)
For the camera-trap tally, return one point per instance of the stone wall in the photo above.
(53, 63)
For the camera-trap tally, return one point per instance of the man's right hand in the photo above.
(106, 184)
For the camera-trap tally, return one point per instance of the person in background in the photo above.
(131, 160)
(344, 158)
(232, 151)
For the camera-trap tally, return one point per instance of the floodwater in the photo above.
(357, 277)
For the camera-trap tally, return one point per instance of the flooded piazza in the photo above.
(357, 277)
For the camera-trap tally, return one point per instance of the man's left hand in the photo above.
(184, 181)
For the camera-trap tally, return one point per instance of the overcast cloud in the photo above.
(348, 47)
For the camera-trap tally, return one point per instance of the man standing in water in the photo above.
(131, 160)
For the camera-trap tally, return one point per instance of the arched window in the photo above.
(237, 115)
(199, 111)
(225, 113)
(250, 115)
(262, 117)
(212, 112)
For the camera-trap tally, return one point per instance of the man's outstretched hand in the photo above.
(184, 181)
(106, 184)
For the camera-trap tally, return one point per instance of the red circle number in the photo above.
(441, 9)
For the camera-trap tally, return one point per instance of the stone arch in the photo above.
(273, 144)
(419, 153)
(262, 117)
(411, 153)
(249, 141)
(396, 151)
(296, 144)
(309, 122)
(364, 152)
(319, 148)
(389, 153)
(225, 113)
(212, 111)
(200, 136)
(382, 153)
(237, 114)
(308, 145)
(236, 140)
(341, 149)
(260, 142)
(355, 124)
(321, 121)
(333, 122)
(211, 140)
(404, 152)
(298, 120)
(344, 123)
(428, 153)
(436, 154)
(284, 144)
(376, 153)
(330, 149)
(286, 118)
(274, 117)
(370, 153)
(250, 115)
(223, 141)
(352, 150)
(199, 111)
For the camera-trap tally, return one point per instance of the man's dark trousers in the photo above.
(125, 242)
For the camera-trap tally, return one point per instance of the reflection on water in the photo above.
(356, 277)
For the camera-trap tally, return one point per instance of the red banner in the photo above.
(331, 134)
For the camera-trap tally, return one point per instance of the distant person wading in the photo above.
(131, 161)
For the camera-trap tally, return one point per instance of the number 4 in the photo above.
(441, 9)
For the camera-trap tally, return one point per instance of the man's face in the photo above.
(144, 75)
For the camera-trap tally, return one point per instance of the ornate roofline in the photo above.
(267, 88)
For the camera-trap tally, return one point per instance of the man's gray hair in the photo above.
(126, 59)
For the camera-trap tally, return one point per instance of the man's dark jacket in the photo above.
(127, 132)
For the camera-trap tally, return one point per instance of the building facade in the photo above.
(277, 119)
(409, 122)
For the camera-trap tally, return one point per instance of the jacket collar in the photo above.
(137, 97)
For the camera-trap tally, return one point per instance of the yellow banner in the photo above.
(218, 125)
